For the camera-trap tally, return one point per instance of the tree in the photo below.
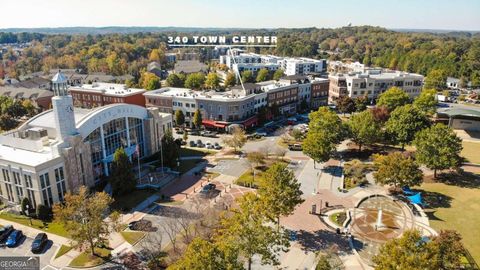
(255, 158)
(173, 80)
(363, 128)
(345, 104)
(179, 118)
(438, 148)
(29, 107)
(278, 74)
(212, 81)
(426, 101)
(82, 216)
(323, 263)
(237, 139)
(197, 119)
(436, 79)
(297, 134)
(380, 113)
(169, 149)
(396, 169)
(326, 130)
(279, 191)
(246, 231)
(409, 251)
(230, 80)
(7, 122)
(202, 254)
(43, 212)
(247, 76)
(121, 177)
(195, 80)
(405, 122)
(262, 75)
(361, 103)
(450, 249)
(185, 136)
(393, 98)
(26, 204)
(155, 55)
(150, 81)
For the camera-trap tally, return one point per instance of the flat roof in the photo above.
(110, 89)
(460, 112)
(26, 157)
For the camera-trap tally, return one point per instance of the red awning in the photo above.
(250, 121)
(212, 123)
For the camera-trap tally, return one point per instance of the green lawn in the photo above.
(132, 237)
(87, 260)
(62, 250)
(50, 227)
(471, 151)
(246, 179)
(458, 210)
(194, 152)
(338, 218)
(130, 200)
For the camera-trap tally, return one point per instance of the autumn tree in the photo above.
(325, 131)
(255, 159)
(345, 104)
(83, 217)
(262, 75)
(279, 191)
(363, 128)
(150, 81)
(396, 169)
(247, 76)
(436, 79)
(173, 80)
(202, 254)
(230, 80)
(438, 148)
(237, 139)
(197, 119)
(405, 122)
(195, 80)
(393, 98)
(361, 103)
(121, 176)
(246, 230)
(426, 101)
(212, 81)
(179, 118)
(278, 74)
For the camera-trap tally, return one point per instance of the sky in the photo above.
(409, 14)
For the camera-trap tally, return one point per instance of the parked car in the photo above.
(39, 242)
(5, 232)
(295, 147)
(14, 238)
(211, 134)
(209, 145)
(140, 225)
(207, 189)
(200, 143)
(217, 146)
(194, 132)
(192, 144)
(180, 131)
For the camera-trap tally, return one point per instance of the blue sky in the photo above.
(420, 14)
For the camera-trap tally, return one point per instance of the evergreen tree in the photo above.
(121, 175)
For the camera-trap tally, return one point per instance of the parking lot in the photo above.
(23, 249)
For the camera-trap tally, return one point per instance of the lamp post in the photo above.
(28, 214)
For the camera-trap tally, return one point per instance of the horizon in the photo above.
(446, 15)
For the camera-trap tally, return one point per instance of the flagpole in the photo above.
(137, 148)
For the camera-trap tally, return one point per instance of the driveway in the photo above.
(231, 167)
(23, 249)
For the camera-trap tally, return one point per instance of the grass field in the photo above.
(62, 250)
(471, 151)
(131, 199)
(50, 227)
(132, 237)
(459, 210)
(87, 260)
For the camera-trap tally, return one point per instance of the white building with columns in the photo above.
(64, 148)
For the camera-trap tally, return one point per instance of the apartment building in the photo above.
(171, 99)
(319, 93)
(303, 66)
(101, 94)
(372, 83)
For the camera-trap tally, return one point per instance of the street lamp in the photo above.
(28, 213)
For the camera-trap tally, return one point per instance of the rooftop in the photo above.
(110, 89)
(26, 93)
(189, 66)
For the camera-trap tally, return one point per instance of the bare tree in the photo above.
(151, 249)
(280, 152)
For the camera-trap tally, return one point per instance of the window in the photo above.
(46, 189)
(60, 180)
(6, 175)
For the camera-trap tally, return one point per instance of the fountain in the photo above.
(379, 224)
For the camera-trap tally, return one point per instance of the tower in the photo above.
(62, 104)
